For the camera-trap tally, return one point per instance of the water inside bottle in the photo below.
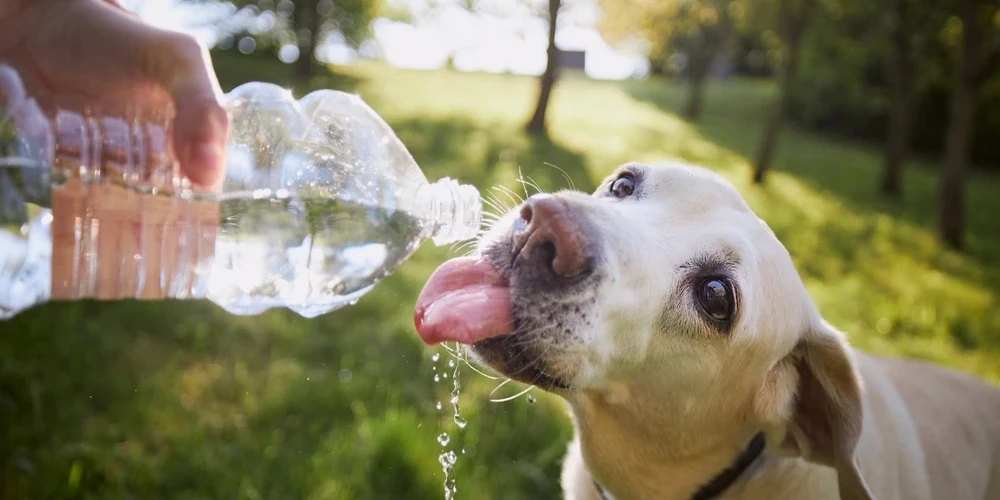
(309, 254)
(248, 253)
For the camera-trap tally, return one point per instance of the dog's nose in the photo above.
(552, 237)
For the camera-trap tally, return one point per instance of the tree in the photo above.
(978, 58)
(703, 47)
(548, 79)
(307, 24)
(698, 29)
(792, 19)
(901, 81)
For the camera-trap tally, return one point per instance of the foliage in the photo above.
(672, 26)
(180, 400)
(844, 87)
(276, 21)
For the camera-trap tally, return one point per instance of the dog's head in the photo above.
(664, 294)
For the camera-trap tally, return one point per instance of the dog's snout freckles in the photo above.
(550, 237)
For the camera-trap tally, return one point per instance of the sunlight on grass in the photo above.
(181, 400)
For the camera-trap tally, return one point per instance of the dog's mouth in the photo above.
(466, 300)
(518, 360)
(520, 304)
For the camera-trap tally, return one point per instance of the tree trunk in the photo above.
(900, 98)
(776, 118)
(951, 217)
(307, 26)
(961, 123)
(548, 79)
(706, 47)
(701, 62)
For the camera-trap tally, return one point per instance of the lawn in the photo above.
(181, 400)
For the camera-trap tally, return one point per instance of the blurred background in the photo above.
(863, 132)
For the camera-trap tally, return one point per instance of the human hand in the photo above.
(95, 51)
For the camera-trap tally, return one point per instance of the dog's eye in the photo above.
(716, 298)
(624, 186)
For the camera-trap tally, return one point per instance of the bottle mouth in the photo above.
(460, 212)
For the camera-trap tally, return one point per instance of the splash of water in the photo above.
(455, 387)
(448, 458)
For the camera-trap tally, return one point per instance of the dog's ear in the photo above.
(812, 407)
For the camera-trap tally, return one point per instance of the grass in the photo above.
(181, 400)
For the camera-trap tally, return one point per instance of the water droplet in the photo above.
(463, 451)
(460, 422)
(451, 363)
(445, 375)
(435, 357)
(531, 398)
(439, 405)
(448, 458)
(443, 439)
(437, 378)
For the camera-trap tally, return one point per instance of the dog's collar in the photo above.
(726, 478)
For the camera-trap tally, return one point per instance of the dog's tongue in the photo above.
(463, 301)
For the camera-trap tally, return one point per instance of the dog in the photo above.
(693, 362)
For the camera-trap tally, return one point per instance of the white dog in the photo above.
(693, 361)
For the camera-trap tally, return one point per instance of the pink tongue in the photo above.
(463, 301)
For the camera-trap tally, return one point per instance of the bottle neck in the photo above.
(454, 210)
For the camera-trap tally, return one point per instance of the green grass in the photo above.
(181, 400)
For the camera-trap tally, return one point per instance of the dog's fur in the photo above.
(663, 399)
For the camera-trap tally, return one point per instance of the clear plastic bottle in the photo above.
(320, 201)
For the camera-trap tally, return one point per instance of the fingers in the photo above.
(95, 51)
(201, 125)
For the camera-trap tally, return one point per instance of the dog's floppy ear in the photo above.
(815, 407)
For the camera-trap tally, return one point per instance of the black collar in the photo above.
(726, 478)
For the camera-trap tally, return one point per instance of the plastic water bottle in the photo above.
(320, 201)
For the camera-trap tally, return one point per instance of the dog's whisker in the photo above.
(495, 204)
(492, 194)
(533, 183)
(507, 192)
(473, 368)
(511, 398)
(463, 246)
(526, 182)
(497, 388)
(520, 179)
(516, 198)
(458, 245)
(532, 363)
(457, 353)
(569, 180)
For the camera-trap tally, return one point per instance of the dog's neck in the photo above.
(674, 457)
(721, 482)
